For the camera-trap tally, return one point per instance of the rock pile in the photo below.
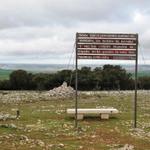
(139, 132)
(62, 91)
(13, 126)
(121, 147)
(126, 147)
(7, 117)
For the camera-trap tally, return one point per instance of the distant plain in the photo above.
(6, 69)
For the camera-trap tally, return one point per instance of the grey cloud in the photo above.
(18, 13)
(41, 29)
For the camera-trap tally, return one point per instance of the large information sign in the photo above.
(107, 46)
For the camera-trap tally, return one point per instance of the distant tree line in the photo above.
(108, 77)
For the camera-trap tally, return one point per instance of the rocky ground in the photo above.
(63, 91)
(43, 123)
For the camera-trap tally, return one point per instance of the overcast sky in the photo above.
(43, 31)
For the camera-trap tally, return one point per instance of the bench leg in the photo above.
(104, 116)
(80, 117)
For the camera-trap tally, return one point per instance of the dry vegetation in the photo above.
(43, 123)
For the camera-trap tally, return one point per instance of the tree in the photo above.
(109, 77)
(62, 76)
(98, 78)
(19, 80)
(86, 79)
(5, 85)
(144, 83)
(115, 77)
(40, 81)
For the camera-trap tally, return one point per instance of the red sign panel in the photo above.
(106, 35)
(115, 41)
(106, 46)
(106, 52)
(106, 57)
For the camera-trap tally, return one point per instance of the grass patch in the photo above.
(4, 74)
(47, 121)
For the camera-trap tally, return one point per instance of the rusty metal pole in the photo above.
(76, 86)
(136, 80)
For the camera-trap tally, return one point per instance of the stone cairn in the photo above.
(62, 91)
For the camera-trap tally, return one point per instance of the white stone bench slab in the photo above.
(104, 112)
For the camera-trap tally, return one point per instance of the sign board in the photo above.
(106, 46)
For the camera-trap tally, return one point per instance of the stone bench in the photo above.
(104, 113)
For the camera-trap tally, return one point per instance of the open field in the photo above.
(142, 74)
(44, 125)
(4, 74)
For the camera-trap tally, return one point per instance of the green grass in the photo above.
(48, 121)
(4, 74)
(141, 74)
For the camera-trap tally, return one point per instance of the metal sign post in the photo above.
(114, 46)
(76, 86)
(136, 78)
